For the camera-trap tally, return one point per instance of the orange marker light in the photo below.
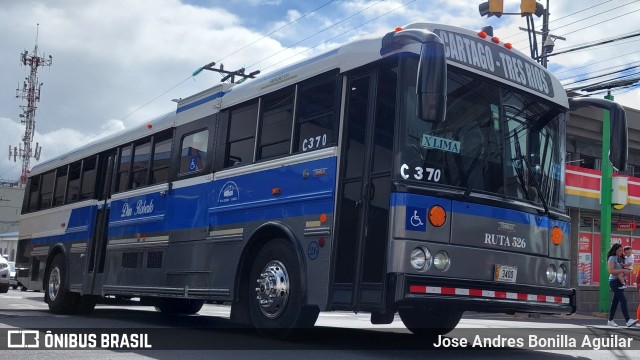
(276, 191)
(149, 126)
(556, 236)
(482, 34)
(508, 46)
(399, 28)
(437, 216)
(495, 40)
(323, 218)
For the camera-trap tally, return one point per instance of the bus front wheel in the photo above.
(57, 294)
(430, 321)
(275, 292)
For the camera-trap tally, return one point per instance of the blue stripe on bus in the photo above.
(465, 208)
(306, 189)
(201, 101)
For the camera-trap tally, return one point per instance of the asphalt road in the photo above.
(337, 335)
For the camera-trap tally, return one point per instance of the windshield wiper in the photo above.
(532, 175)
(474, 169)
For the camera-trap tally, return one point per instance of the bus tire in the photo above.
(4, 289)
(275, 292)
(430, 321)
(179, 306)
(57, 294)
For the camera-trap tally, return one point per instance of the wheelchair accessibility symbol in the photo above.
(415, 219)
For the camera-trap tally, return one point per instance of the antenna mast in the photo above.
(31, 92)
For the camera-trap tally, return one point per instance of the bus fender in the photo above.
(250, 251)
(58, 248)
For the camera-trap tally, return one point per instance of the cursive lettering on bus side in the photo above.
(126, 210)
(141, 208)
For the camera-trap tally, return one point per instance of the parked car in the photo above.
(4, 275)
(12, 275)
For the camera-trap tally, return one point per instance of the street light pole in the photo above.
(545, 34)
(606, 189)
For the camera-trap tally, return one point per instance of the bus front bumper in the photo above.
(482, 296)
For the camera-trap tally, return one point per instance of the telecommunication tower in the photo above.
(30, 92)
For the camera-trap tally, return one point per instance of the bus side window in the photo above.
(88, 178)
(161, 157)
(122, 179)
(193, 152)
(316, 113)
(61, 185)
(241, 135)
(46, 193)
(34, 193)
(140, 171)
(275, 124)
(73, 181)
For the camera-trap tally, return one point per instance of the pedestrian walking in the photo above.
(615, 267)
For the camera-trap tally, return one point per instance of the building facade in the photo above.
(10, 207)
(584, 158)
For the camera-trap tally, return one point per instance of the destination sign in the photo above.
(480, 55)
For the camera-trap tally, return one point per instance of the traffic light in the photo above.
(496, 6)
(490, 8)
(527, 7)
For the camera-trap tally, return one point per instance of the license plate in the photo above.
(505, 273)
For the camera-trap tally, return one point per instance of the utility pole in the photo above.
(31, 92)
(528, 8)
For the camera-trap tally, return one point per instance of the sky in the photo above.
(119, 63)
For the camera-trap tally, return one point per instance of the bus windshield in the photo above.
(494, 140)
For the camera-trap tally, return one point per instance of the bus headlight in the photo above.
(442, 261)
(551, 273)
(562, 275)
(421, 258)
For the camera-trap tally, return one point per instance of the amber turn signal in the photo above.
(556, 236)
(437, 216)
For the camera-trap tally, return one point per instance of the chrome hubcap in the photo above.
(54, 283)
(273, 289)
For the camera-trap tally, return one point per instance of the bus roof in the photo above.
(465, 49)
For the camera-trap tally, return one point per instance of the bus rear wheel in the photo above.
(57, 294)
(275, 292)
(430, 321)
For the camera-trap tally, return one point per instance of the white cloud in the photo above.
(117, 63)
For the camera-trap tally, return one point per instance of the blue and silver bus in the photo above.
(420, 173)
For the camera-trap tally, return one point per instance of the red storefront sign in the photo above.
(626, 225)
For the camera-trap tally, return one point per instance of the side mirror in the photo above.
(619, 140)
(431, 84)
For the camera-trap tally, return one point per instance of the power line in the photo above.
(613, 18)
(610, 40)
(278, 29)
(600, 70)
(598, 62)
(603, 82)
(317, 33)
(577, 12)
(181, 82)
(341, 34)
(604, 12)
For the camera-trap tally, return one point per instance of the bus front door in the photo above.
(364, 188)
(97, 248)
